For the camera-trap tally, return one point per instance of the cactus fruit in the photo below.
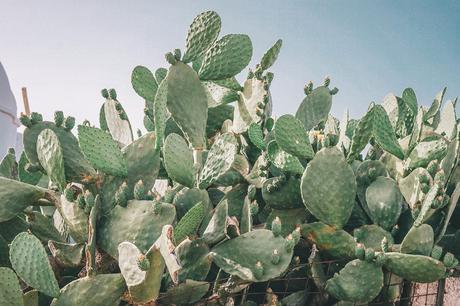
(329, 187)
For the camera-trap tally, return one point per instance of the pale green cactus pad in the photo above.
(334, 242)
(16, 196)
(241, 256)
(416, 268)
(384, 202)
(328, 187)
(384, 133)
(226, 57)
(187, 103)
(50, 156)
(358, 281)
(143, 286)
(30, 261)
(178, 160)
(136, 223)
(75, 219)
(201, 34)
(291, 136)
(102, 290)
(220, 159)
(418, 241)
(426, 151)
(119, 127)
(315, 107)
(10, 291)
(102, 151)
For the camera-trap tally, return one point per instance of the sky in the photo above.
(65, 51)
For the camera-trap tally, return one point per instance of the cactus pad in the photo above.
(291, 136)
(178, 160)
(358, 281)
(30, 261)
(144, 83)
(102, 151)
(50, 155)
(418, 241)
(201, 34)
(329, 187)
(226, 57)
(315, 107)
(240, 256)
(10, 291)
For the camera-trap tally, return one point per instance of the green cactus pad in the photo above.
(69, 255)
(144, 83)
(201, 34)
(16, 196)
(178, 160)
(256, 135)
(361, 135)
(448, 124)
(371, 236)
(188, 292)
(239, 256)
(384, 202)
(101, 290)
(10, 290)
(75, 219)
(226, 57)
(50, 156)
(119, 127)
(42, 227)
(9, 166)
(284, 195)
(271, 55)
(142, 160)
(245, 112)
(160, 74)
(418, 241)
(384, 133)
(160, 113)
(77, 168)
(220, 160)
(216, 118)
(187, 103)
(143, 286)
(290, 219)
(283, 160)
(30, 261)
(329, 187)
(216, 228)
(194, 257)
(315, 107)
(426, 151)
(218, 95)
(366, 173)
(136, 223)
(186, 198)
(291, 136)
(25, 176)
(416, 268)
(334, 242)
(102, 151)
(358, 281)
(189, 223)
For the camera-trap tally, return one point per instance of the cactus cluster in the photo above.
(247, 197)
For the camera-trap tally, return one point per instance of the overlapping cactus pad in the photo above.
(247, 196)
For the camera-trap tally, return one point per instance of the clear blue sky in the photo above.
(66, 51)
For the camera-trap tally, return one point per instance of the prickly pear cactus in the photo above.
(220, 198)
